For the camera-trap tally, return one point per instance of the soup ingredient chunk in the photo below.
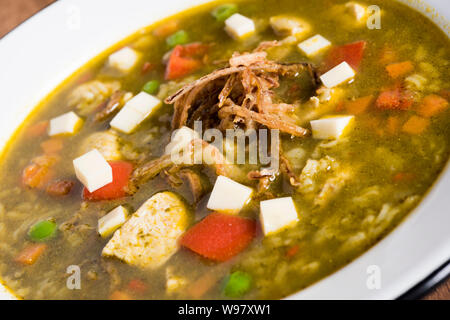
(352, 53)
(239, 26)
(223, 12)
(134, 112)
(331, 127)
(106, 142)
(394, 99)
(339, 74)
(432, 105)
(88, 96)
(39, 172)
(112, 221)
(237, 284)
(415, 125)
(288, 26)
(181, 139)
(67, 123)
(228, 196)
(314, 45)
(356, 10)
(92, 170)
(179, 37)
(31, 253)
(124, 60)
(396, 70)
(151, 87)
(43, 230)
(121, 171)
(277, 214)
(150, 237)
(220, 237)
(184, 60)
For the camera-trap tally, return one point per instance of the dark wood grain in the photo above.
(13, 12)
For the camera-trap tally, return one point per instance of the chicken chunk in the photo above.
(106, 142)
(88, 96)
(150, 237)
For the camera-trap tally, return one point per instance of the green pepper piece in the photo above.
(42, 230)
(225, 11)
(179, 37)
(151, 87)
(237, 285)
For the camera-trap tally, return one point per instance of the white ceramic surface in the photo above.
(49, 47)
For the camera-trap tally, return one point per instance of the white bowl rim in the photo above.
(428, 218)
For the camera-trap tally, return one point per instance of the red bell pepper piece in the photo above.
(121, 171)
(185, 60)
(351, 53)
(220, 237)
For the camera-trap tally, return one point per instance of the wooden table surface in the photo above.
(13, 12)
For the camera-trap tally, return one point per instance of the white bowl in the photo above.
(49, 47)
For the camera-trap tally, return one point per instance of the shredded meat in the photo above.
(240, 94)
(286, 168)
(195, 183)
(113, 105)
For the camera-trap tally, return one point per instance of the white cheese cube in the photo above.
(180, 139)
(135, 111)
(92, 170)
(228, 196)
(357, 10)
(123, 60)
(332, 127)
(144, 103)
(112, 221)
(277, 214)
(314, 45)
(67, 123)
(239, 26)
(339, 74)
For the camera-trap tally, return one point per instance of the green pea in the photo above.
(179, 37)
(151, 87)
(42, 230)
(225, 11)
(237, 284)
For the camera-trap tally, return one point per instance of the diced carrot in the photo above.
(395, 99)
(120, 295)
(396, 70)
(117, 189)
(166, 29)
(292, 251)
(404, 177)
(137, 286)
(351, 53)
(38, 173)
(37, 129)
(52, 145)
(185, 60)
(359, 105)
(31, 253)
(393, 124)
(432, 105)
(60, 187)
(415, 125)
(388, 55)
(202, 285)
(220, 237)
